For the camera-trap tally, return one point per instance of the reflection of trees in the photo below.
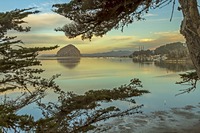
(69, 63)
(175, 66)
(142, 63)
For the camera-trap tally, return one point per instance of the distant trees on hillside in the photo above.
(175, 50)
(143, 52)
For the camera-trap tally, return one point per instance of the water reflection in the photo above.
(171, 66)
(175, 66)
(69, 63)
(107, 73)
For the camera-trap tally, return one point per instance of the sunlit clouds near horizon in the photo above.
(155, 31)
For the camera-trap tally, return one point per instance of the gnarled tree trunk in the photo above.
(190, 28)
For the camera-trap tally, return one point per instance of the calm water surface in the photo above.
(85, 74)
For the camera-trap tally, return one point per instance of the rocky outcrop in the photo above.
(69, 51)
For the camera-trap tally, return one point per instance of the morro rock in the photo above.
(69, 51)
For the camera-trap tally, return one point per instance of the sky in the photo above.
(154, 31)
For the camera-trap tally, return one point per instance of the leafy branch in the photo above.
(188, 78)
(80, 113)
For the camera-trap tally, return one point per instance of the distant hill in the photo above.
(109, 54)
(175, 50)
(166, 49)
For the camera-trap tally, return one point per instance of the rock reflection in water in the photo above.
(70, 62)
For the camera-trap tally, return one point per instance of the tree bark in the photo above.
(190, 29)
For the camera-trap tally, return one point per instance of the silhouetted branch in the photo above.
(80, 113)
(188, 78)
(95, 18)
(172, 10)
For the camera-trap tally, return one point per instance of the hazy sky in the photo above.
(156, 30)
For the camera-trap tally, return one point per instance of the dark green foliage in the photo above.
(189, 78)
(97, 17)
(172, 50)
(12, 21)
(10, 120)
(89, 100)
(72, 112)
(16, 74)
(80, 113)
(142, 52)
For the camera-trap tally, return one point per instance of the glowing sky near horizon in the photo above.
(156, 30)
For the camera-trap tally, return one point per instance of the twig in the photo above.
(172, 10)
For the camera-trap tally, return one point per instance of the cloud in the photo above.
(45, 40)
(165, 33)
(101, 44)
(171, 36)
(43, 34)
(121, 38)
(48, 40)
(167, 19)
(158, 39)
(132, 42)
(109, 43)
(46, 21)
(150, 15)
(117, 40)
(144, 40)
